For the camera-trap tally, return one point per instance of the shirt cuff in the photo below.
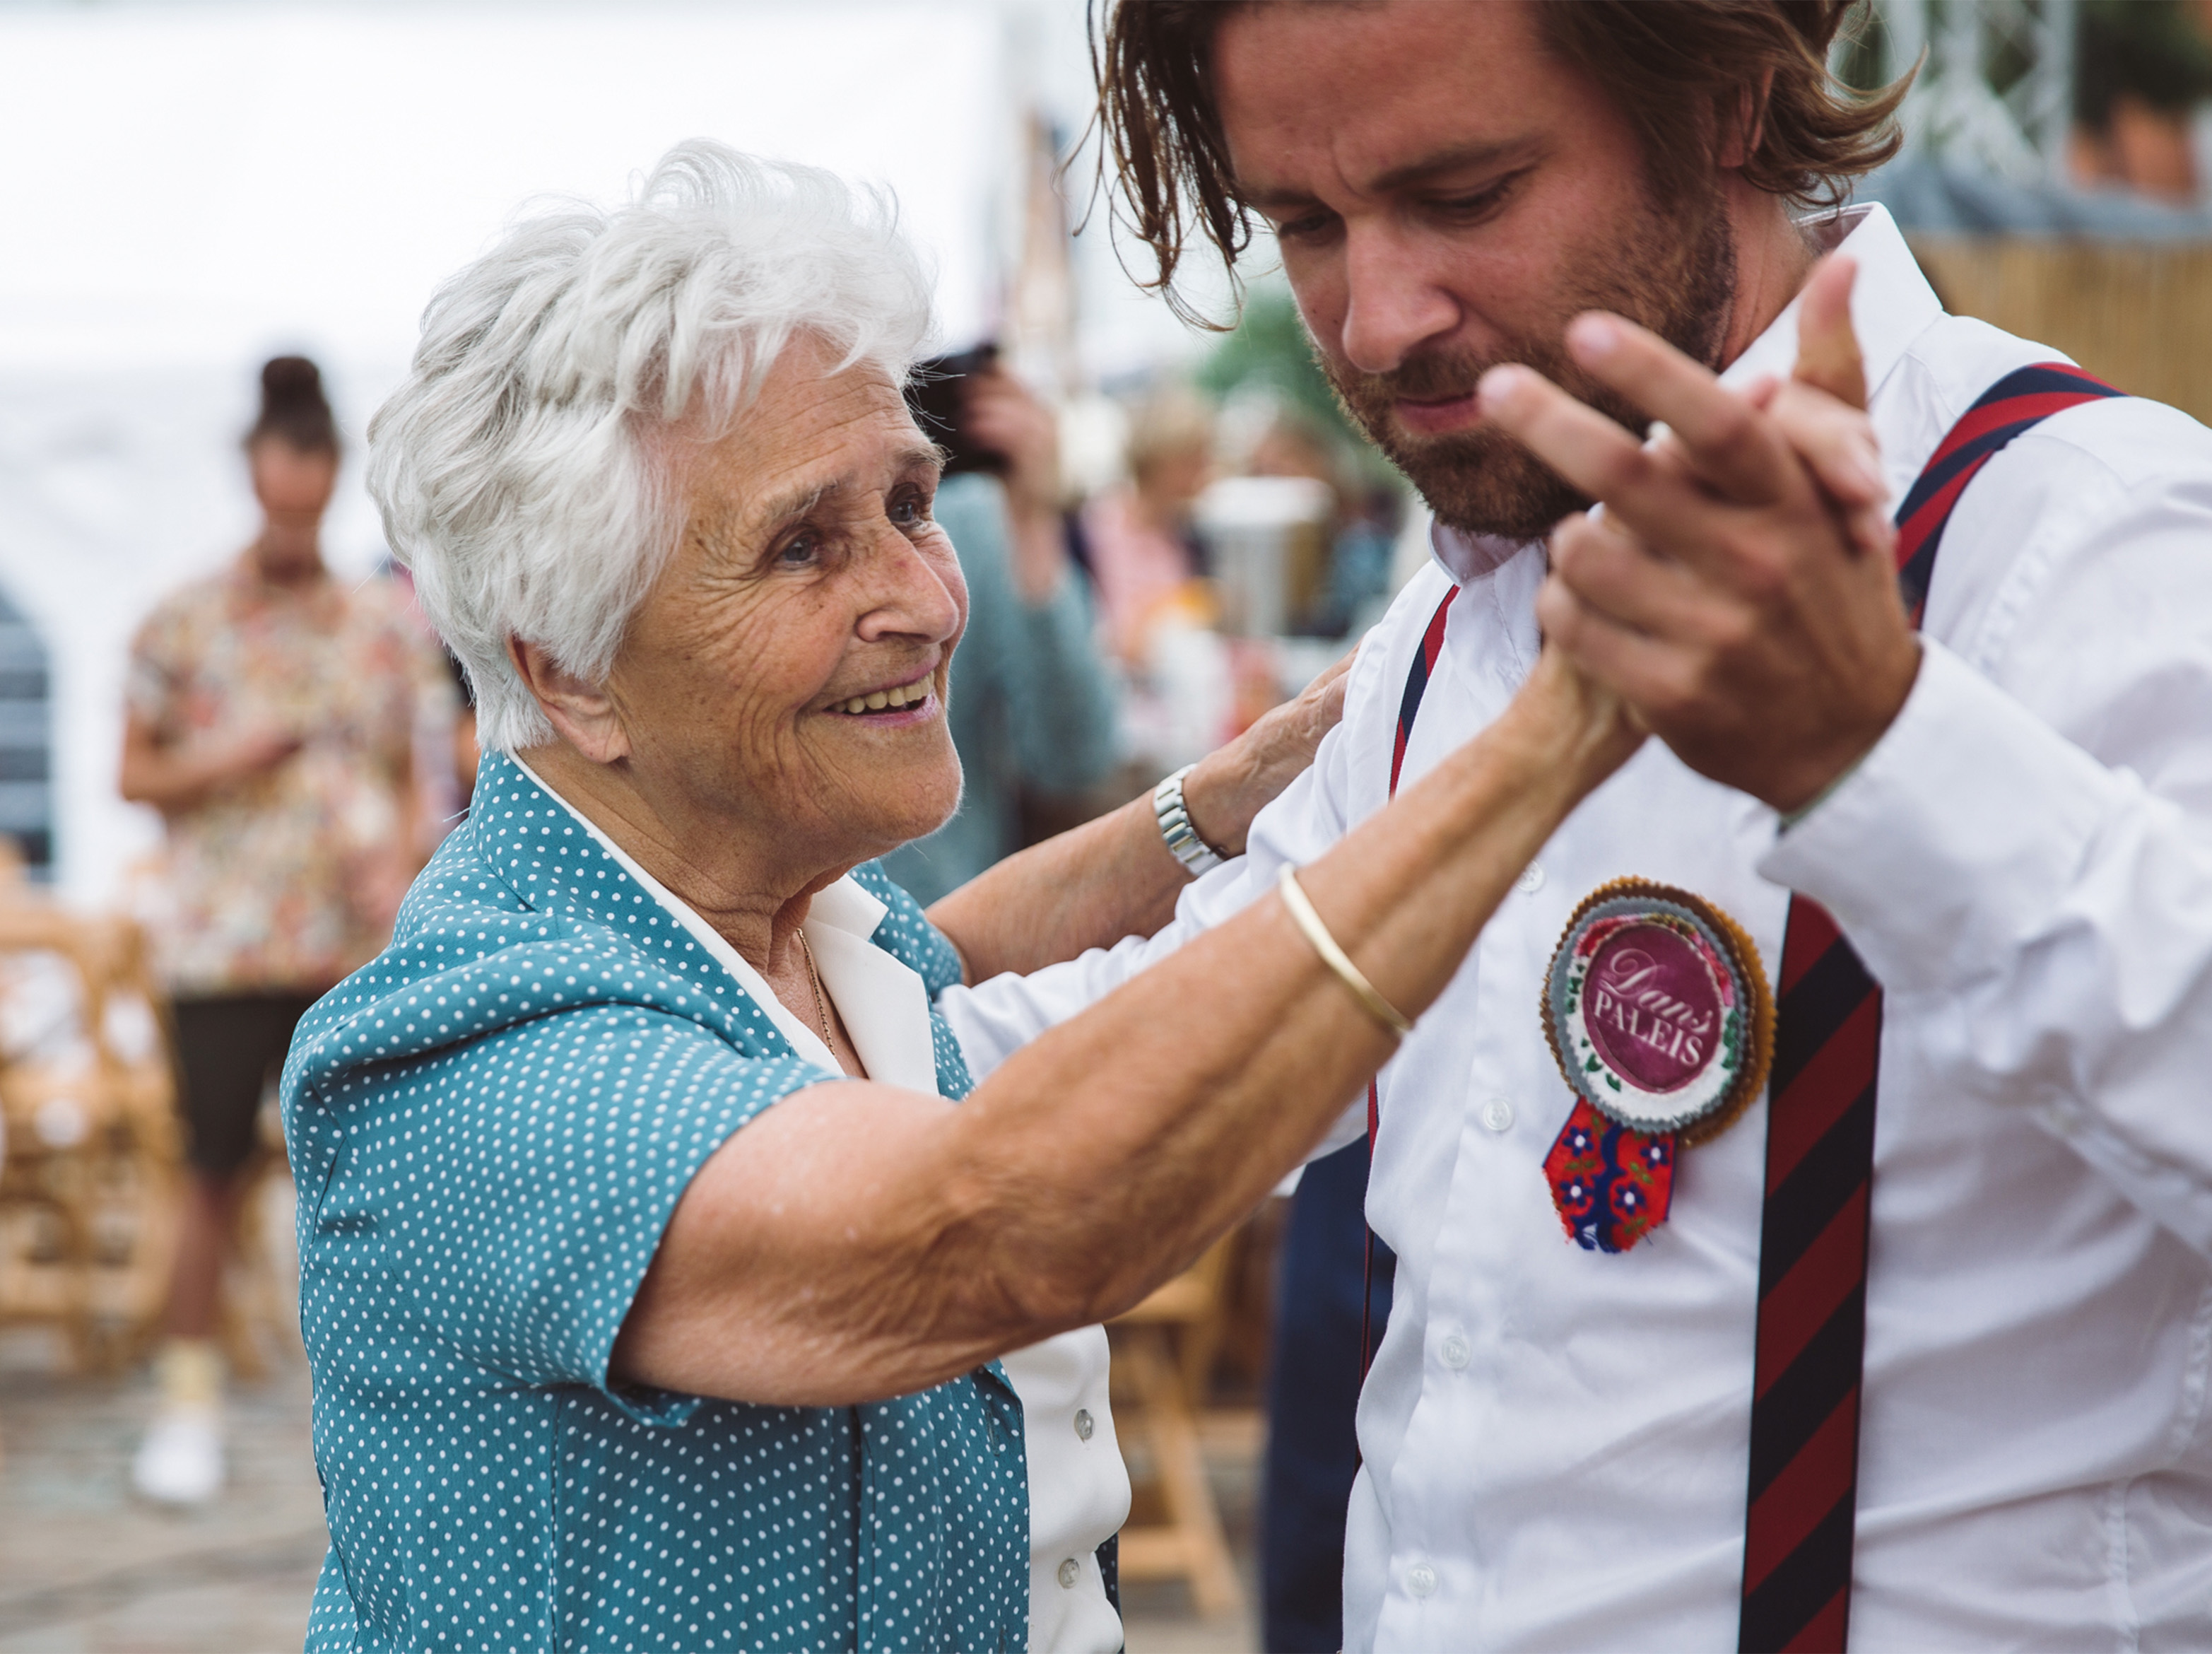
(1951, 843)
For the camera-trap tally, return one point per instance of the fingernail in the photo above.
(1499, 384)
(1868, 475)
(1593, 336)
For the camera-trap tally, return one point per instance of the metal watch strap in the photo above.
(1183, 843)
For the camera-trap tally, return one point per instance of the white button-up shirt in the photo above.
(1078, 1486)
(1554, 1440)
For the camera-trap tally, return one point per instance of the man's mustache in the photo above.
(1423, 379)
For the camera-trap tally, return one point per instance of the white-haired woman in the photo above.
(654, 1286)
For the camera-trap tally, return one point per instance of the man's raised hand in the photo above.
(1735, 590)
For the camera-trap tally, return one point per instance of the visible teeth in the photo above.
(909, 695)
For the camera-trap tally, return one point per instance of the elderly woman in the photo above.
(658, 1294)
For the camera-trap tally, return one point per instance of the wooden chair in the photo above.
(88, 1186)
(1164, 1351)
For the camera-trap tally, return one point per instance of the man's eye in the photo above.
(799, 551)
(1484, 202)
(907, 512)
(1304, 227)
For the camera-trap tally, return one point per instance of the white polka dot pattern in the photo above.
(491, 1124)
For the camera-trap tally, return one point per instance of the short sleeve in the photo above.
(516, 1187)
(157, 667)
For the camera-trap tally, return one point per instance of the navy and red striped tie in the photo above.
(1820, 1159)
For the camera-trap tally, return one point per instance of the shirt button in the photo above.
(1083, 1425)
(1070, 1571)
(1421, 1580)
(1456, 1351)
(1531, 879)
(1497, 1114)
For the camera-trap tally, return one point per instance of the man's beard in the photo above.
(1679, 283)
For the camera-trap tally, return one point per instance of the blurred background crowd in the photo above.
(227, 739)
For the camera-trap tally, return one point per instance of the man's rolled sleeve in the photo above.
(2045, 921)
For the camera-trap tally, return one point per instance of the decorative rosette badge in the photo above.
(1658, 1011)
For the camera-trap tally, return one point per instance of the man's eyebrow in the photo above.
(1459, 157)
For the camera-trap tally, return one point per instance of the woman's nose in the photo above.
(919, 595)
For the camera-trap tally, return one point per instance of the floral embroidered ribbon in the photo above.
(1612, 1185)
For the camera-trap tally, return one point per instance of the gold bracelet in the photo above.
(1301, 910)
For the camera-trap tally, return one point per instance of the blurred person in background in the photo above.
(271, 721)
(1360, 528)
(2143, 70)
(1031, 703)
(1144, 550)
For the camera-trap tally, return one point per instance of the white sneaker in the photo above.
(180, 1460)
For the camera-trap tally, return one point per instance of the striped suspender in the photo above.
(1802, 1497)
(1409, 707)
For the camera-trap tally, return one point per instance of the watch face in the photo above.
(1658, 1010)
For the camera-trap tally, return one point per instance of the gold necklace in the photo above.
(814, 977)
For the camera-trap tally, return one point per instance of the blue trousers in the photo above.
(1313, 1387)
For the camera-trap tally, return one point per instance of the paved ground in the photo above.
(86, 1568)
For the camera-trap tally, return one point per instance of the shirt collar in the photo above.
(1892, 304)
(884, 1003)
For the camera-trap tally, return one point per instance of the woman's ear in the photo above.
(581, 713)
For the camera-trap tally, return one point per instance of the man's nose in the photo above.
(1392, 308)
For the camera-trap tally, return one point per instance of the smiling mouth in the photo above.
(895, 699)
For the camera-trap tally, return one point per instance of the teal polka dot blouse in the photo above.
(490, 1126)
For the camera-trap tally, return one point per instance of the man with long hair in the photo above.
(1686, 1351)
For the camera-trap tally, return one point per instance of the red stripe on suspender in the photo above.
(1409, 707)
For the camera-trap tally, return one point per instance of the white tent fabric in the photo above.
(190, 189)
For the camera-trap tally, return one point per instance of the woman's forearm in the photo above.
(859, 1242)
(1087, 887)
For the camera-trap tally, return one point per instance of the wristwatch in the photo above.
(1183, 843)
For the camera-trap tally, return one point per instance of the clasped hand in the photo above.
(1738, 589)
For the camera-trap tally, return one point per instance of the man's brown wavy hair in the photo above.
(1685, 73)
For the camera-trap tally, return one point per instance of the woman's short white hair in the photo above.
(516, 469)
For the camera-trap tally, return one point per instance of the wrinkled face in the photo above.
(787, 669)
(1448, 197)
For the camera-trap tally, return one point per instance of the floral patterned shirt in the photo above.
(264, 884)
